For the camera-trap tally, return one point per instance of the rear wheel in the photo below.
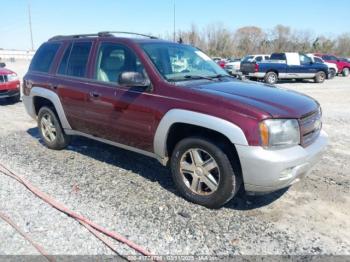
(271, 78)
(346, 72)
(332, 73)
(203, 173)
(50, 129)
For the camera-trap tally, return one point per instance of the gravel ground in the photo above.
(134, 195)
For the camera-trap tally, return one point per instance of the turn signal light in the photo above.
(264, 134)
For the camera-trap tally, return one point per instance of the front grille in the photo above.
(310, 127)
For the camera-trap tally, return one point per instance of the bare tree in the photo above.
(218, 40)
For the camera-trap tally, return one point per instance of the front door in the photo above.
(121, 114)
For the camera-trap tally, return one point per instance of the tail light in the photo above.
(256, 68)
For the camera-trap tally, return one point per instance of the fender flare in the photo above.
(233, 132)
(52, 97)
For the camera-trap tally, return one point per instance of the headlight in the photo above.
(279, 133)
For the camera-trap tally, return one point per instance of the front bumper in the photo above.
(270, 170)
(9, 93)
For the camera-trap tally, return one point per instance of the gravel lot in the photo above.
(134, 195)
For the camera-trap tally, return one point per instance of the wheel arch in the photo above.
(44, 96)
(195, 121)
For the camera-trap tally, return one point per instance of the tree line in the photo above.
(218, 40)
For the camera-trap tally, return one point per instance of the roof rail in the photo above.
(62, 37)
(126, 33)
(100, 34)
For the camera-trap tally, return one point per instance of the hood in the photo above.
(4, 71)
(272, 100)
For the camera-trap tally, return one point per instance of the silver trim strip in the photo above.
(296, 75)
(71, 132)
(174, 116)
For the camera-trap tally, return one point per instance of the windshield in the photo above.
(177, 62)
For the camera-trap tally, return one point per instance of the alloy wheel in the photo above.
(200, 171)
(48, 128)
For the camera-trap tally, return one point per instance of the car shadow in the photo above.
(7, 102)
(151, 169)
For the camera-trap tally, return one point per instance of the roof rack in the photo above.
(100, 34)
(126, 33)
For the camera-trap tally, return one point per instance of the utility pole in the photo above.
(174, 22)
(30, 27)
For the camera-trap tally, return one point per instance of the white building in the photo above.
(13, 55)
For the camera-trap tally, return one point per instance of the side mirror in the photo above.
(2, 65)
(133, 79)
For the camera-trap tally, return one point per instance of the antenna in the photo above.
(174, 37)
(30, 27)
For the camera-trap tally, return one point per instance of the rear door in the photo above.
(71, 83)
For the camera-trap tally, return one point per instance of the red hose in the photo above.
(40, 249)
(84, 221)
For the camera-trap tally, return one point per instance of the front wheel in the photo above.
(346, 72)
(203, 173)
(50, 129)
(320, 77)
(271, 78)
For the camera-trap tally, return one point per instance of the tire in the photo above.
(346, 72)
(271, 78)
(14, 99)
(54, 137)
(320, 77)
(332, 73)
(224, 172)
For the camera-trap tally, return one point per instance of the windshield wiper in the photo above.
(198, 77)
(221, 76)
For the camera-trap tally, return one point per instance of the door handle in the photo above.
(94, 94)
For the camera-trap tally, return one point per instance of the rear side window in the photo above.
(44, 57)
(258, 59)
(278, 56)
(64, 62)
(75, 59)
(329, 57)
(2, 79)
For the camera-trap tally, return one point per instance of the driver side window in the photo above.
(113, 60)
(304, 60)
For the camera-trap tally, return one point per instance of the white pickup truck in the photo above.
(233, 68)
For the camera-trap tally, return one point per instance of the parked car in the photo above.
(332, 68)
(9, 85)
(234, 67)
(214, 132)
(343, 66)
(221, 63)
(2, 65)
(216, 59)
(285, 66)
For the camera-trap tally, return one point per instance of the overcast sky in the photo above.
(156, 16)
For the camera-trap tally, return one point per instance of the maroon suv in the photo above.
(170, 101)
